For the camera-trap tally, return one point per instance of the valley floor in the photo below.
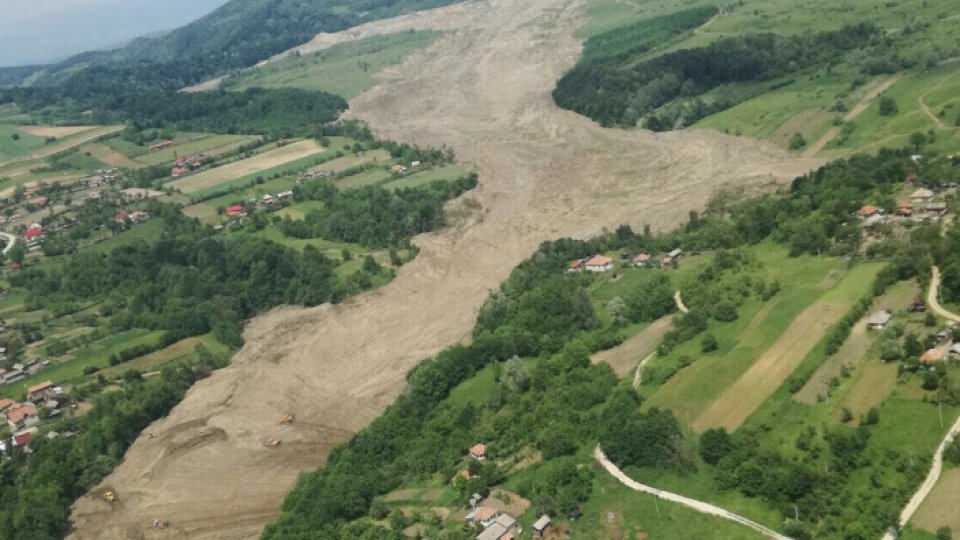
(483, 89)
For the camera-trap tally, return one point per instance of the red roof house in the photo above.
(599, 263)
(867, 211)
(15, 266)
(235, 210)
(22, 439)
(21, 412)
(33, 233)
(121, 217)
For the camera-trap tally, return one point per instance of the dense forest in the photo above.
(538, 331)
(279, 112)
(615, 85)
(373, 216)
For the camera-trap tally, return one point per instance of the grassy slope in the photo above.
(346, 69)
(802, 106)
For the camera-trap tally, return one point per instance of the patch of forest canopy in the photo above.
(616, 86)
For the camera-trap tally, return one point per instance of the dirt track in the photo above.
(483, 89)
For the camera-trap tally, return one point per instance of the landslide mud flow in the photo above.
(483, 89)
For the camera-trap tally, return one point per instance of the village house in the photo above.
(267, 199)
(478, 451)
(121, 217)
(905, 210)
(33, 233)
(642, 260)
(540, 526)
(236, 210)
(22, 416)
(399, 169)
(6, 404)
(575, 266)
(139, 217)
(483, 515)
(922, 195)
(867, 211)
(675, 254)
(879, 320)
(41, 392)
(599, 263)
(666, 261)
(501, 528)
(285, 196)
(936, 208)
(177, 172)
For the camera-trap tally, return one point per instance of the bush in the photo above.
(709, 343)
(797, 141)
(888, 106)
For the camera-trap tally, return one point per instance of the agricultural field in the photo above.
(346, 69)
(240, 172)
(193, 143)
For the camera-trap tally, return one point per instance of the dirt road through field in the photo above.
(484, 89)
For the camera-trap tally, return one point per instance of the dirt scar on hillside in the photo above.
(483, 88)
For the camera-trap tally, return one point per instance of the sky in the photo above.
(38, 31)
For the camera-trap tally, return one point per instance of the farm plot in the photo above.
(940, 507)
(448, 172)
(215, 178)
(772, 368)
(213, 145)
(109, 156)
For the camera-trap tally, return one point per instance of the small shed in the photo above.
(641, 260)
(675, 254)
(879, 320)
(540, 526)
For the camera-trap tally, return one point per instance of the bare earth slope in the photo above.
(483, 89)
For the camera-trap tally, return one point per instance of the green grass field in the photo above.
(94, 355)
(12, 148)
(447, 172)
(346, 69)
(137, 233)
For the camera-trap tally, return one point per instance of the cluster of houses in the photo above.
(18, 372)
(187, 164)
(23, 419)
(124, 218)
(921, 207)
(602, 263)
(496, 524)
(265, 202)
(944, 345)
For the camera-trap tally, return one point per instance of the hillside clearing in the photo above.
(624, 357)
(54, 131)
(940, 507)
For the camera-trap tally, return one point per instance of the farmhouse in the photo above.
(879, 320)
(922, 195)
(177, 172)
(121, 217)
(867, 211)
(641, 260)
(21, 416)
(599, 263)
(138, 217)
(937, 208)
(397, 168)
(41, 391)
(905, 210)
(35, 233)
(499, 529)
(540, 526)
(236, 210)
(478, 451)
(285, 196)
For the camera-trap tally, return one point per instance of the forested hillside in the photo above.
(238, 34)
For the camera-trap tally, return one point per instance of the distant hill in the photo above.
(238, 34)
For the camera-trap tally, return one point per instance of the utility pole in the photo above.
(796, 512)
(940, 412)
(657, 505)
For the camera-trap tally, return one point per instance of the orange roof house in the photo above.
(478, 451)
(20, 413)
(599, 263)
(867, 211)
(484, 513)
(6, 404)
(933, 355)
(39, 389)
